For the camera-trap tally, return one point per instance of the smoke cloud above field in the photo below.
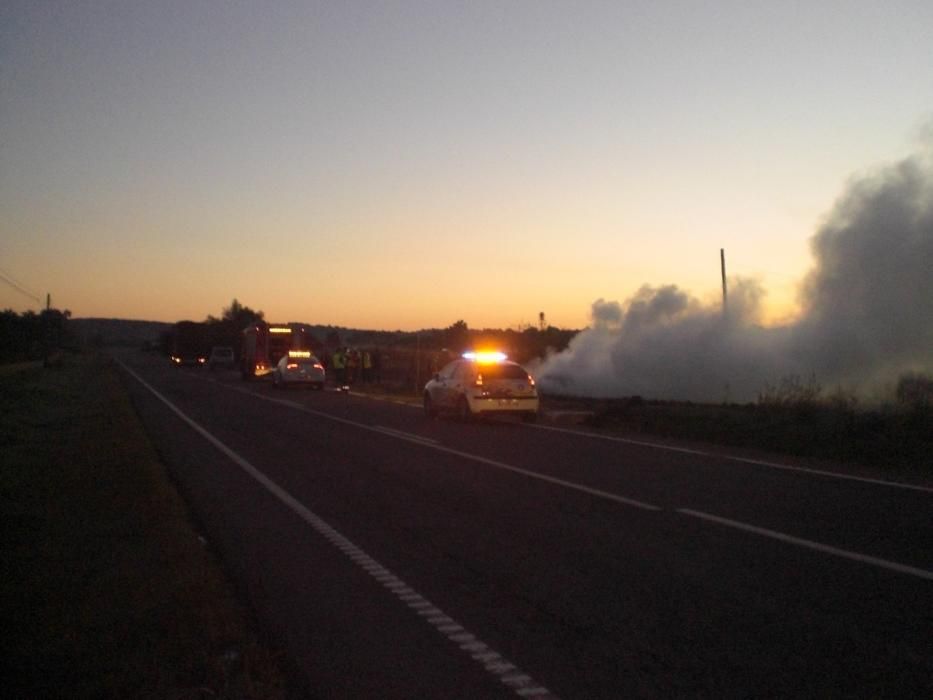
(867, 312)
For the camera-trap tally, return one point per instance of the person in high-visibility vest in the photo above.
(367, 367)
(340, 364)
(353, 365)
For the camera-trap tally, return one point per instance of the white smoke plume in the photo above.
(867, 313)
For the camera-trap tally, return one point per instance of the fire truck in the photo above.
(264, 344)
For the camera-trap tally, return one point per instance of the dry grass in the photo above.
(793, 418)
(107, 590)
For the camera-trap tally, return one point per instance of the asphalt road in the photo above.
(399, 557)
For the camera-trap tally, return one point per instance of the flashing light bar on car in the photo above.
(280, 330)
(485, 357)
(299, 353)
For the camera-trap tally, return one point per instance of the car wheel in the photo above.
(464, 414)
(319, 386)
(276, 380)
(429, 410)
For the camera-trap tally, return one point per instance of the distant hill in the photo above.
(117, 331)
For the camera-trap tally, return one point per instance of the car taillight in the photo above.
(291, 366)
(479, 380)
(531, 380)
(318, 365)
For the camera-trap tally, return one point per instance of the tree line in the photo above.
(521, 345)
(31, 335)
(219, 331)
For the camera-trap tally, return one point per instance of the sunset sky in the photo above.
(407, 164)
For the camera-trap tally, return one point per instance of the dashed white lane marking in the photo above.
(686, 450)
(405, 436)
(810, 544)
(816, 546)
(494, 664)
(386, 399)
(700, 453)
(732, 458)
(434, 445)
(573, 486)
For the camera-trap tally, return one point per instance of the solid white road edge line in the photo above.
(689, 451)
(492, 661)
(810, 544)
(465, 455)
(732, 458)
(816, 546)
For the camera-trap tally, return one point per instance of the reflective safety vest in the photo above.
(338, 360)
(367, 361)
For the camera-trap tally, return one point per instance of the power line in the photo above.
(18, 287)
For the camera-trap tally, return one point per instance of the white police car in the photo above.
(482, 383)
(298, 367)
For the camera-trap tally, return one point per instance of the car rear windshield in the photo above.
(501, 371)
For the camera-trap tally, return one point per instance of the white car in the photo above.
(299, 367)
(482, 383)
(221, 356)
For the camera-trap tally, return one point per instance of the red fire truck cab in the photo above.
(265, 343)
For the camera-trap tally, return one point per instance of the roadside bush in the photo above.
(791, 392)
(793, 417)
(915, 391)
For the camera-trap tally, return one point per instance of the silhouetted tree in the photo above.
(30, 336)
(237, 314)
(457, 336)
(241, 315)
(226, 330)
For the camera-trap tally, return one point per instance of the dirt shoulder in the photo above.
(107, 589)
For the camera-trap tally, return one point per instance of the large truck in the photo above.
(189, 344)
(264, 344)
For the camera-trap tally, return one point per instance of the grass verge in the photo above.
(893, 439)
(107, 590)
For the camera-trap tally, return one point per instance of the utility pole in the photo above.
(417, 362)
(47, 330)
(725, 290)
